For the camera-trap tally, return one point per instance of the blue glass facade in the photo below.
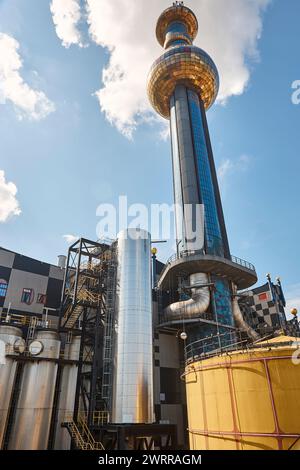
(177, 27)
(178, 42)
(214, 244)
(194, 184)
(222, 301)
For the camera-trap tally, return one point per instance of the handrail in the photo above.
(87, 295)
(84, 438)
(86, 432)
(213, 345)
(242, 262)
(75, 433)
(100, 417)
(228, 342)
(16, 319)
(186, 254)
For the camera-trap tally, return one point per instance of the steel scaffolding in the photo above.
(87, 310)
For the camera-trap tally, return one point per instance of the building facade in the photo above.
(259, 306)
(29, 287)
(264, 309)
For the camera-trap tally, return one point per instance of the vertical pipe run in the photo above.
(133, 363)
(67, 394)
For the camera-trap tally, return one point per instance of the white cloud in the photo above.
(28, 102)
(229, 167)
(9, 205)
(70, 239)
(229, 31)
(66, 16)
(224, 169)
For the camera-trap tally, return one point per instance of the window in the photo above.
(41, 299)
(263, 297)
(3, 287)
(27, 296)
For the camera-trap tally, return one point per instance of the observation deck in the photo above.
(242, 273)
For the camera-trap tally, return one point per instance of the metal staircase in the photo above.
(74, 317)
(84, 296)
(81, 436)
(73, 311)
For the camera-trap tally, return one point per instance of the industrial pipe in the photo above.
(199, 302)
(238, 317)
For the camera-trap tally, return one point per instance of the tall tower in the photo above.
(183, 83)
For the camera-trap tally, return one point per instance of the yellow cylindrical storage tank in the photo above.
(246, 399)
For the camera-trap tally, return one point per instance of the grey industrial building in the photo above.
(29, 287)
(25, 280)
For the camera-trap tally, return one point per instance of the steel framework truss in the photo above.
(87, 309)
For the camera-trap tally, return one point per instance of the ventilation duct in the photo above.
(197, 305)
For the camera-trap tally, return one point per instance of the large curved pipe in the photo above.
(195, 306)
(239, 319)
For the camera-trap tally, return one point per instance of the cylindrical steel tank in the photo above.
(246, 400)
(67, 394)
(34, 409)
(133, 371)
(10, 343)
(61, 261)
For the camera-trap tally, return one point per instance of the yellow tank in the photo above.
(246, 399)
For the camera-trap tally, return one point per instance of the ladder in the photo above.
(108, 335)
(31, 329)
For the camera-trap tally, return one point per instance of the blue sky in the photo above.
(66, 163)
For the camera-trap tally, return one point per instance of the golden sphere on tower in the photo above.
(182, 63)
(294, 312)
(188, 65)
(176, 13)
(154, 251)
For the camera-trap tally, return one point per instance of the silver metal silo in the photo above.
(11, 341)
(61, 261)
(67, 394)
(34, 409)
(133, 361)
